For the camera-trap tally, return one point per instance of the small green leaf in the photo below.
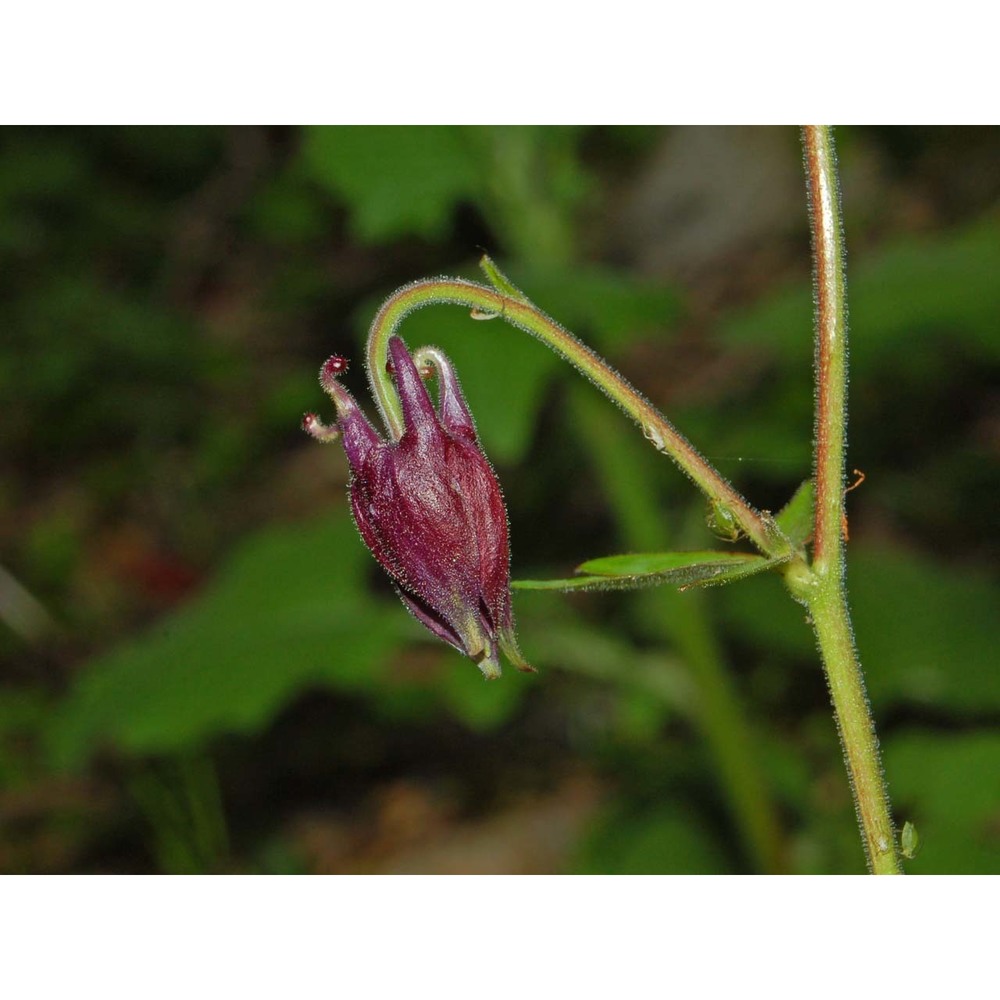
(499, 280)
(909, 841)
(682, 569)
(796, 517)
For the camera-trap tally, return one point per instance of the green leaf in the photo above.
(681, 569)
(397, 180)
(290, 610)
(684, 569)
(949, 786)
(796, 517)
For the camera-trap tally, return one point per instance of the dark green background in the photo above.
(215, 676)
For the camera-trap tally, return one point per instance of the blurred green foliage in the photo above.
(397, 181)
(227, 661)
(210, 666)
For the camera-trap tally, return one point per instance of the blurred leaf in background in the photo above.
(290, 610)
(397, 180)
(949, 785)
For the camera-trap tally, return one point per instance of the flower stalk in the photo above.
(503, 300)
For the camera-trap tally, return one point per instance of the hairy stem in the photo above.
(506, 302)
(684, 620)
(823, 588)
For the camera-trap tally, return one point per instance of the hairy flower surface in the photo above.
(429, 507)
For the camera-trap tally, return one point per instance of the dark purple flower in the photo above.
(430, 509)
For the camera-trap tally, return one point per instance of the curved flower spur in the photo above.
(428, 505)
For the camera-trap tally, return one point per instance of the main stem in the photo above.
(823, 590)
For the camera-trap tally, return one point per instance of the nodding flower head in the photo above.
(429, 507)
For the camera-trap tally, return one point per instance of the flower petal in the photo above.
(419, 417)
(358, 434)
(456, 417)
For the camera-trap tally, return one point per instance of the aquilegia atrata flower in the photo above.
(429, 507)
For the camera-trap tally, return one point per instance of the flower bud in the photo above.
(429, 507)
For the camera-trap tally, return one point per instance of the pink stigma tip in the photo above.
(315, 428)
(332, 367)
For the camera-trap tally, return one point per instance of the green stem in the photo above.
(504, 301)
(683, 620)
(823, 587)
